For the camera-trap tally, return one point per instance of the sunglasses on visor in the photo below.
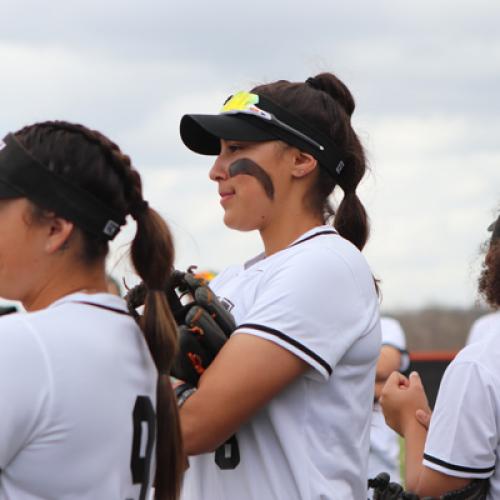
(246, 103)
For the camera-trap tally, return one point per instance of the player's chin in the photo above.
(239, 222)
(9, 293)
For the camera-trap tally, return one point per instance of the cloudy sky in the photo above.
(425, 75)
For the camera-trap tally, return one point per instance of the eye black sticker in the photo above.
(246, 166)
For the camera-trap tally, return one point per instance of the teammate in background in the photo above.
(78, 377)
(462, 443)
(484, 327)
(301, 364)
(384, 442)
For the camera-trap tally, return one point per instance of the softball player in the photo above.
(384, 442)
(284, 410)
(78, 378)
(462, 444)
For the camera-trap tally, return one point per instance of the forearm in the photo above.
(414, 435)
(199, 435)
(246, 375)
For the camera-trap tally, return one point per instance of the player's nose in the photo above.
(219, 170)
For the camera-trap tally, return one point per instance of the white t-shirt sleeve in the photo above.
(24, 386)
(393, 335)
(313, 305)
(463, 433)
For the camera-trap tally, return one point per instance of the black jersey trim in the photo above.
(291, 341)
(321, 233)
(100, 306)
(459, 468)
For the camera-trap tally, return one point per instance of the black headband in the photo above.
(328, 154)
(22, 175)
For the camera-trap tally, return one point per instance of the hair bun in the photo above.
(329, 83)
(312, 83)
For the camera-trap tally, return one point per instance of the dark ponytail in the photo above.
(97, 165)
(153, 258)
(351, 220)
(326, 104)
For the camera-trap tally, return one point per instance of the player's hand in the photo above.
(423, 417)
(401, 398)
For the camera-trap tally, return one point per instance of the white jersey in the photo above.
(464, 434)
(77, 399)
(484, 327)
(317, 299)
(384, 442)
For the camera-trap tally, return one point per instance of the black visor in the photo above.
(22, 175)
(258, 120)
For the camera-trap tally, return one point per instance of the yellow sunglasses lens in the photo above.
(241, 101)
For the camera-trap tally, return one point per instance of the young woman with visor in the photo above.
(79, 380)
(459, 451)
(284, 409)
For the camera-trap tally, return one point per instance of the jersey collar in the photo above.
(99, 299)
(312, 233)
(308, 235)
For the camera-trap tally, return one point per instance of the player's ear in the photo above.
(58, 233)
(303, 163)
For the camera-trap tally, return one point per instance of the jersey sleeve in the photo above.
(316, 306)
(463, 433)
(24, 387)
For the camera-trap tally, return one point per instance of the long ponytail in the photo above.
(152, 255)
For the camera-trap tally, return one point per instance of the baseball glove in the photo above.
(383, 489)
(204, 324)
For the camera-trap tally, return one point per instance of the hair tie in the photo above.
(138, 208)
(313, 83)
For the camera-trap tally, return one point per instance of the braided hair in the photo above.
(96, 164)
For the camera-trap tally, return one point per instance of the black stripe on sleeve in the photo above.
(459, 468)
(291, 341)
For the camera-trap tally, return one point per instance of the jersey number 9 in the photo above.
(140, 463)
